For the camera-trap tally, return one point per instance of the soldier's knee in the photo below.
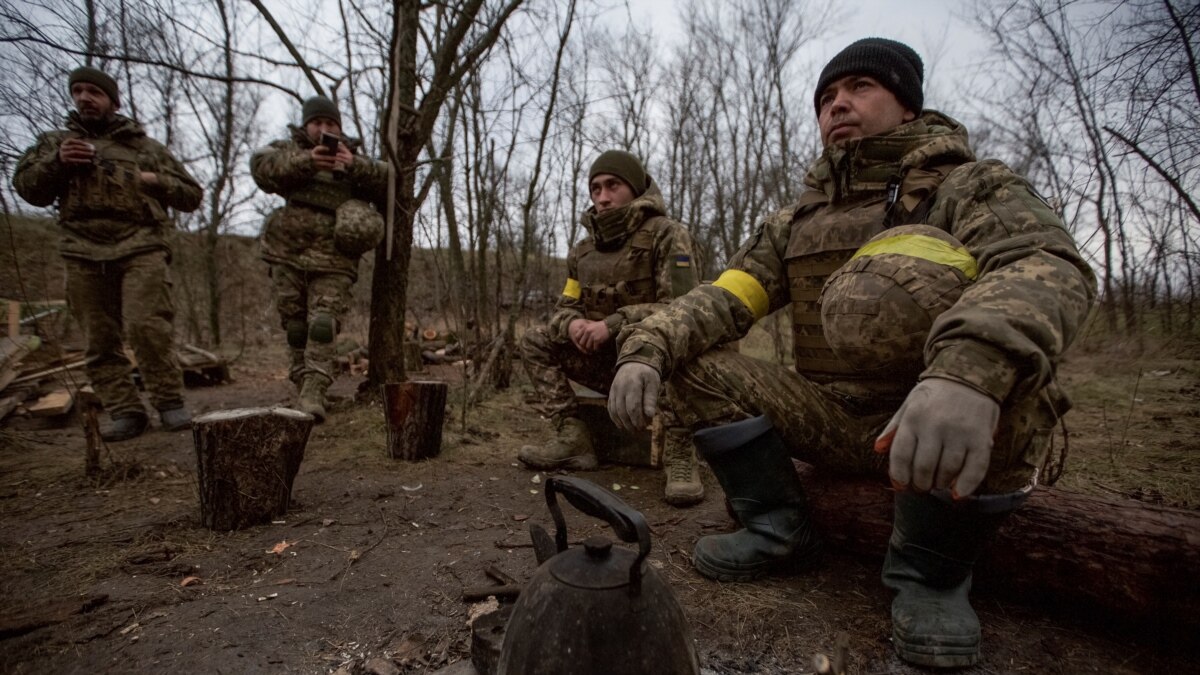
(535, 342)
(297, 333)
(322, 328)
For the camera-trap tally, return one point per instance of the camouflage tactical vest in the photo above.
(323, 192)
(823, 240)
(609, 280)
(106, 189)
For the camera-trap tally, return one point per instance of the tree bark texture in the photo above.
(246, 461)
(1130, 560)
(414, 412)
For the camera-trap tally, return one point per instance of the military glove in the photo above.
(940, 437)
(633, 397)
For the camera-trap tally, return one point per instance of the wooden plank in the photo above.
(34, 377)
(57, 402)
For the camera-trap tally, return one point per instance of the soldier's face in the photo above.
(609, 192)
(857, 106)
(321, 125)
(91, 102)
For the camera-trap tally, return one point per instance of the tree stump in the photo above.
(246, 460)
(413, 412)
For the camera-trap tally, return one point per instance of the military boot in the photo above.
(756, 472)
(682, 469)
(125, 426)
(296, 367)
(312, 395)
(571, 449)
(933, 548)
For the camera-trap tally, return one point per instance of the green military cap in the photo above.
(319, 106)
(623, 165)
(96, 77)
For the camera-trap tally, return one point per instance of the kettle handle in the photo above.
(628, 523)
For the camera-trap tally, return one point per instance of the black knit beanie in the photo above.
(623, 165)
(319, 106)
(97, 77)
(894, 64)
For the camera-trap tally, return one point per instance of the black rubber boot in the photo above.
(124, 426)
(754, 468)
(933, 548)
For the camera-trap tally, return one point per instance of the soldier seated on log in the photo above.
(633, 260)
(932, 296)
(113, 185)
(314, 241)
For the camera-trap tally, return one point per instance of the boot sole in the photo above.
(948, 654)
(580, 463)
(685, 499)
(787, 566)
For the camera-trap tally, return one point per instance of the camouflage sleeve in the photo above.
(675, 274)
(39, 175)
(569, 306)
(369, 178)
(281, 167)
(1033, 292)
(752, 286)
(176, 187)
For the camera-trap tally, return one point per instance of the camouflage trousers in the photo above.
(834, 430)
(551, 363)
(133, 295)
(311, 307)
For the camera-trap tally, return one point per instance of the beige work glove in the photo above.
(940, 437)
(633, 397)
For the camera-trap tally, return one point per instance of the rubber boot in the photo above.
(753, 466)
(125, 426)
(933, 548)
(571, 449)
(682, 469)
(312, 395)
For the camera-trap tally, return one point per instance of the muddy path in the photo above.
(117, 576)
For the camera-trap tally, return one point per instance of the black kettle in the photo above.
(599, 608)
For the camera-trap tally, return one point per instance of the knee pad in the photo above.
(297, 334)
(322, 328)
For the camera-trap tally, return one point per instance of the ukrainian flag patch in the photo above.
(683, 261)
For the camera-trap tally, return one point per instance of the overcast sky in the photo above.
(937, 30)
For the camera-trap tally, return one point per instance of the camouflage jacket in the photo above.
(1005, 333)
(660, 246)
(105, 211)
(300, 234)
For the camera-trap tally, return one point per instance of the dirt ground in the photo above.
(378, 552)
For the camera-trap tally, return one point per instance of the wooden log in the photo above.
(1128, 560)
(57, 402)
(246, 462)
(413, 412)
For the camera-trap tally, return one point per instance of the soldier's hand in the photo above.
(322, 159)
(148, 177)
(633, 397)
(594, 335)
(75, 152)
(575, 332)
(344, 157)
(941, 437)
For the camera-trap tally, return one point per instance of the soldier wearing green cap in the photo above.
(932, 295)
(329, 218)
(113, 186)
(633, 261)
